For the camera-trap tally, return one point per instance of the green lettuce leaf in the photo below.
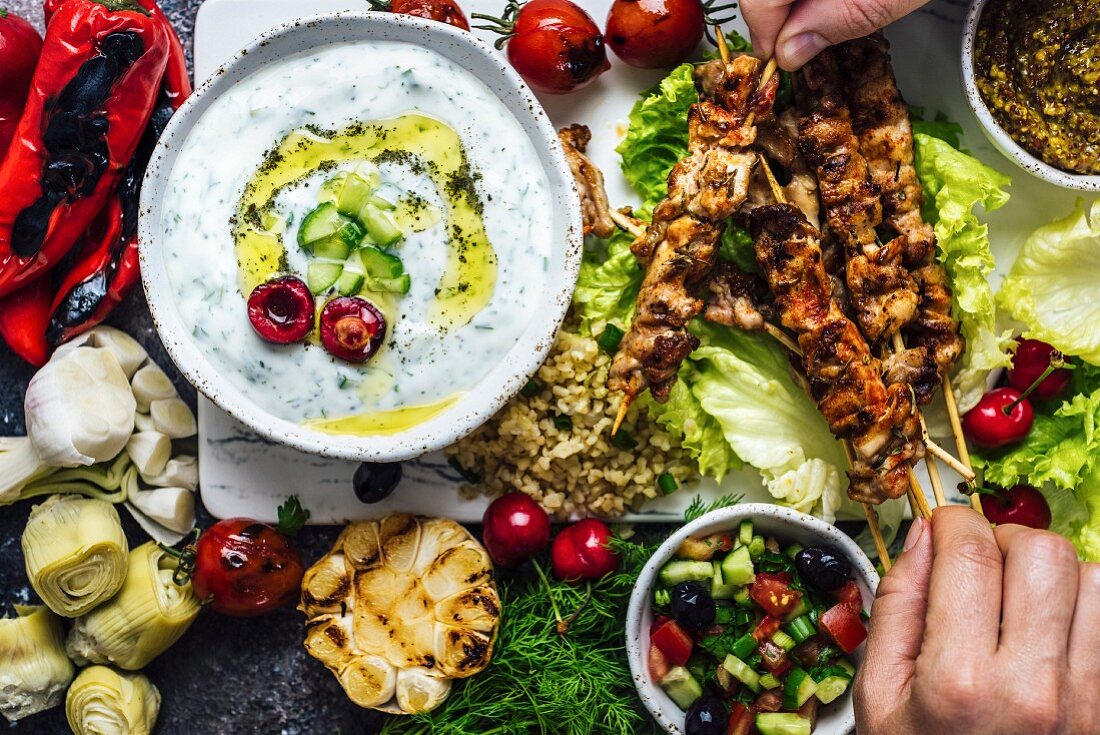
(1052, 287)
(699, 432)
(607, 286)
(1087, 539)
(940, 126)
(953, 184)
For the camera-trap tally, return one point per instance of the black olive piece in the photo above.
(375, 481)
(692, 605)
(824, 567)
(706, 716)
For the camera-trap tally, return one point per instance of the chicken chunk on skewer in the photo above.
(595, 211)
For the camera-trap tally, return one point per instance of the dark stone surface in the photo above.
(226, 675)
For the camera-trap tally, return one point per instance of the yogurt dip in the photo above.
(470, 196)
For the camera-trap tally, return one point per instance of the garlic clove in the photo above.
(150, 451)
(181, 471)
(125, 348)
(171, 507)
(171, 416)
(150, 383)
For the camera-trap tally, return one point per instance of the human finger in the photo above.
(765, 18)
(813, 25)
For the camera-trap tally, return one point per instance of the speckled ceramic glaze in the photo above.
(997, 135)
(518, 363)
(787, 525)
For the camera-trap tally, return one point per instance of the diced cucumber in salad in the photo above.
(748, 634)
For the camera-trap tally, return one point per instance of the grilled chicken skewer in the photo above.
(595, 211)
(680, 245)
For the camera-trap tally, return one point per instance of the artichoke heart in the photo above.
(142, 621)
(34, 669)
(75, 552)
(103, 701)
(399, 608)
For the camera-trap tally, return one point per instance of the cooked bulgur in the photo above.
(553, 441)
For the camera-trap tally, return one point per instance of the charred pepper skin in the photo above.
(91, 97)
(20, 45)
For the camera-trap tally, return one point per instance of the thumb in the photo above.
(813, 25)
(897, 618)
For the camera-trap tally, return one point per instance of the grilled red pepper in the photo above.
(24, 315)
(91, 97)
(20, 45)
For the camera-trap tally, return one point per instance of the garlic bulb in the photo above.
(75, 552)
(127, 351)
(80, 409)
(103, 701)
(34, 669)
(142, 621)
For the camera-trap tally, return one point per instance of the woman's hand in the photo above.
(979, 630)
(794, 31)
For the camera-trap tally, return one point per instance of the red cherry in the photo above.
(580, 552)
(281, 310)
(515, 528)
(352, 328)
(1022, 505)
(1028, 365)
(992, 423)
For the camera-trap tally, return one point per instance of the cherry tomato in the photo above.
(673, 641)
(1031, 360)
(843, 624)
(245, 568)
(515, 528)
(654, 34)
(774, 594)
(580, 551)
(553, 44)
(445, 11)
(1001, 418)
(20, 45)
(1022, 504)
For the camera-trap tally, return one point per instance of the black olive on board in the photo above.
(706, 716)
(824, 567)
(692, 605)
(375, 481)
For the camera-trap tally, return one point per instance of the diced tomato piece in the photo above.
(658, 622)
(766, 628)
(722, 542)
(741, 720)
(850, 594)
(774, 658)
(773, 593)
(843, 624)
(658, 664)
(673, 641)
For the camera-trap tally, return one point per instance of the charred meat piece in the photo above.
(738, 299)
(595, 210)
(844, 377)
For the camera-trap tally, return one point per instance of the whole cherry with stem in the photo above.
(1038, 367)
(1021, 504)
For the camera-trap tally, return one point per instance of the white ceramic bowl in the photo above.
(787, 525)
(517, 365)
(997, 135)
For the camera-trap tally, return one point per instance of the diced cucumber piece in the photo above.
(756, 547)
(801, 628)
(744, 533)
(321, 223)
(380, 225)
(351, 233)
(768, 681)
(349, 284)
(719, 590)
(783, 640)
(847, 666)
(741, 597)
(793, 549)
(679, 570)
(681, 686)
(399, 285)
(380, 264)
(782, 723)
(381, 203)
(332, 247)
(356, 192)
(830, 688)
(800, 686)
(742, 672)
(737, 567)
(744, 646)
(322, 274)
(801, 608)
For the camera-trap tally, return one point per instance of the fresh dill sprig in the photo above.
(698, 508)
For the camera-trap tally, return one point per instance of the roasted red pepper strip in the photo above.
(20, 45)
(93, 93)
(24, 315)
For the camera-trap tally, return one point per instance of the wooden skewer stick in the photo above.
(918, 503)
(625, 223)
(723, 49)
(960, 439)
(623, 408)
(872, 518)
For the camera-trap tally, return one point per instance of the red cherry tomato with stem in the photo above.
(654, 34)
(515, 528)
(553, 44)
(580, 552)
(1038, 369)
(245, 568)
(444, 11)
(1021, 504)
(1002, 417)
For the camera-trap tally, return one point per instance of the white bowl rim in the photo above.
(1004, 142)
(476, 405)
(640, 597)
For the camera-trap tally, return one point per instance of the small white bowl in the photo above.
(787, 525)
(511, 371)
(997, 135)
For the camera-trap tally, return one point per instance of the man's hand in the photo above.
(979, 630)
(794, 31)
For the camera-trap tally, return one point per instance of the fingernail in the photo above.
(799, 49)
(913, 536)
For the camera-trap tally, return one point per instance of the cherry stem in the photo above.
(185, 557)
(969, 489)
(1057, 362)
(504, 24)
(563, 624)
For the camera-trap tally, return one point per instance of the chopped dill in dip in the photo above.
(452, 173)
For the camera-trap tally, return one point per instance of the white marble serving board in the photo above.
(243, 474)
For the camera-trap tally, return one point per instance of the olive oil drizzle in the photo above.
(424, 143)
(382, 422)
